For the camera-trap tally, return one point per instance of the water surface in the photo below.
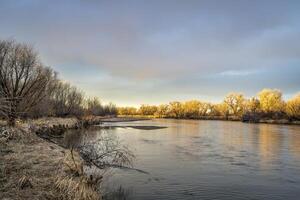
(193, 159)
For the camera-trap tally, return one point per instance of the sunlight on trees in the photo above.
(131, 111)
(223, 109)
(191, 109)
(293, 107)
(29, 89)
(252, 105)
(176, 109)
(271, 101)
(235, 103)
(147, 110)
(162, 111)
(235, 107)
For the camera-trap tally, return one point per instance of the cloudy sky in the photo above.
(156, 51)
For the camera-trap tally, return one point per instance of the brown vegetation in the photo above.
(29, 89)
(32, 168)
(28, 166)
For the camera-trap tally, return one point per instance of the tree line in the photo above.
(268, 104)
(28, 88)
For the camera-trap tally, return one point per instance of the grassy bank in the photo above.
(32, 168)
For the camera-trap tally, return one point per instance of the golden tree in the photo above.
(127, 111)
(235, 103)
(252, 105)
(176, 109)
(293, 107)
(221, 109)
(147, 109)
(162, 110)
(191, 108)
(271, 100)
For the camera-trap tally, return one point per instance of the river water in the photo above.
(192, 159)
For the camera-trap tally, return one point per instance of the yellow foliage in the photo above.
(127, 111)
(222, 109)
(293, 107)
(176, 109)
(271, 100)
(162, 110)
(147, 109)
(235, 103)
(191, 108)
(252, 105)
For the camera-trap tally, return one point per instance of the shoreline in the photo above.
(32, 167)
(217, 118)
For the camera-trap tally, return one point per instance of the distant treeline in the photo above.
(268, 105)
(30, 89)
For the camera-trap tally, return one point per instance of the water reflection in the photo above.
(270, 146)
(208, 160)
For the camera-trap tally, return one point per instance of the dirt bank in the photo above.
(32, 168)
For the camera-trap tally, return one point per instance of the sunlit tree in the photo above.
(221, 109)
(252, 105)
(293, 107)
(176, 109)
(147, 109)
(127, 111)
(204, 108)
(191, 108)
(271, 101)
(235, 103)
(162, 110)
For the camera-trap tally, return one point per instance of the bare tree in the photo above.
(23, 79)
(106, 152)
(103, 150)
(94, 107)
(67, 100)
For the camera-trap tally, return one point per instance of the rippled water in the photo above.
(193, 159)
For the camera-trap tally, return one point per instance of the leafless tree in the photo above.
(103, 150)
(67, 100)
(94, 107)
(23, 79)
(106, 152)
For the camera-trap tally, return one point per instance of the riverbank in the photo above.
(220, 118)
(33, 168)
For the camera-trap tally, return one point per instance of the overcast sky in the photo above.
(133, 52)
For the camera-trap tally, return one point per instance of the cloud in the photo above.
(238, 73)
(162, 42)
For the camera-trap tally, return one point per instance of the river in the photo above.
(191, 159)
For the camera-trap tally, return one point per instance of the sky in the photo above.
(155, 51)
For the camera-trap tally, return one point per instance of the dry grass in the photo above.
(31, 168)
(24, 182)
(75, 184)
(77, 188)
